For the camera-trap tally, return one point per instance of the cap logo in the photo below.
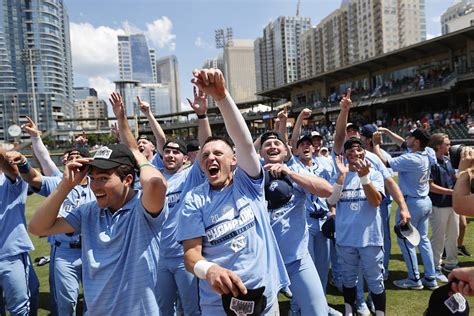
(273, 186)
(104, 153)
(456, 303)
(241, 308)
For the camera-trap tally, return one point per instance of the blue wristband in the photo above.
(24, 168)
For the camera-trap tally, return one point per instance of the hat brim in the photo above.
(412, 235)
(104, 164)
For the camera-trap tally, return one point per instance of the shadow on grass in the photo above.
(44, 303)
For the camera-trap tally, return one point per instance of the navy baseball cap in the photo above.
(271, 135)
(112, 156)
(351, 142)
(252, 303)
(302, 139)
(444, 302)
(181, 146)
(368, 130)
(278, 191)
(193, 146)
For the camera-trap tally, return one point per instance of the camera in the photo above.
(455, 155)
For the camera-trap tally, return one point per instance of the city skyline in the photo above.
(180, 28)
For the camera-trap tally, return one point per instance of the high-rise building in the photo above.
(216, 63)
(167, 73)
(458, 16)
(35, 63)
(239, 65)
(88, 106)
(135, 58)
(276, 52)
(361, 29)
(157, 95)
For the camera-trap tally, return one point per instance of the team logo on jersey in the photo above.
(355, 207)
(242, 308)
(238, 243)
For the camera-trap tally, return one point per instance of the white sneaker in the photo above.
(441, 277)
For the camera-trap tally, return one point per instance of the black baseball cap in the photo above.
(144, 137)
(193, 146)
(421, 134)
(368, 130)
(181, 145)
(328, 229)
(351, 142)
(271, 135)
(112, 156)
(443, 302)
(84, 153)
(278, 191)
(302, 139)
(252, 303)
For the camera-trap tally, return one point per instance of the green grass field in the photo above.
(399, 302)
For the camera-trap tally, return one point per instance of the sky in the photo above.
(184, 28)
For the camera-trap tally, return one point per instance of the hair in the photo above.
(227, 141)
(437, 139)
(124, 170)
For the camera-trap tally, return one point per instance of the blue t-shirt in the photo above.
(358, 224)
(157, 161)
(413, 173)
(81, 194)
(236, 235)
(179, 184)
(119, 257)
(14, 237)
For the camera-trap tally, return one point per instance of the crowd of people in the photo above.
(222, 226)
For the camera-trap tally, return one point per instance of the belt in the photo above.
(72, 245)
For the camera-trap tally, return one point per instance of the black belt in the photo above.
(72, 245)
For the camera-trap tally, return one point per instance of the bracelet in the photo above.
(201, 267)
(145, 164)
(202, 116)
(365, 180)
(24, 167)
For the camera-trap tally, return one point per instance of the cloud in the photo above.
(200, 43)
(94, 49)
(103, 85)
(159, 33)
(436, 19)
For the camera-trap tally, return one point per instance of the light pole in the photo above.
(30, 56)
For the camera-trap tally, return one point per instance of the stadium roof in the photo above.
(437, 45)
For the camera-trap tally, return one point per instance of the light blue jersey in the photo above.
(81, 194)
(119, 257)
(236, 235)
(358, 224)
(14, 238)
(289, 221)
(179, 184)
(157, 161)
(413, 173)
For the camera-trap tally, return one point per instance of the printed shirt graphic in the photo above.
(358, 224)
(289, 221)
(178, 185)
(119, 257)
(14, 238)
(413, 173)
(236, 235)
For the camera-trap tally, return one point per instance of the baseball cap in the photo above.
(278, 191)
(112, 156)
(421, 134)
(368, 130)
(324, 149)
(193, 146)
(351, 142)
(407, 232)
(302, 139)
(444, 302)
(352, 125)
(181, 146)
(81, 151)
(329, 228)
(316, 134)
(144, 137)
(271, 135)
(252, 303)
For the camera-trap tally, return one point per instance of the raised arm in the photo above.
(45, 220)
(41, 152)
(10, 170)
(340, 133)
(377, 140)
(211, 82)
(152, 181)
(29, 174)
(282, 128)
(397, 139)
(199, 105)
(155, 126)
(304, 114)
